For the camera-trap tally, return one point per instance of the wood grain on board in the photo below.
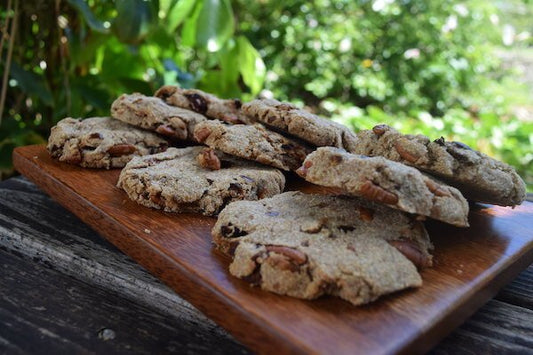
(470, 266)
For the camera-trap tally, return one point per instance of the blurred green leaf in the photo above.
(213, 81)
(32, 84)
(119, 61)
(135, 85)
(6, 149)
(228, 58)
(83, 50)
(92, 21)
(178, 13)
(94, 96)
(16, 136)
(134, 19)
(251, 65)
(215, 24)
(188, 32)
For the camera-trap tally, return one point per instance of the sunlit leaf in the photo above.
(215, 24)
(134, 19)
(250, 65)
(165, 6)
(188, 32)
(32, 84)
(212, 82)
(229, 63)
(178, 13)
(119, 62)
(85, 11)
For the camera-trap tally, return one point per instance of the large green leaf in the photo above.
(188, 32)
(94, 96)
(212, 81)
(215, 24)
(228, 61)
(178, 13)
(134, 19)
(250, 65)
(85, 11)
(32, 84)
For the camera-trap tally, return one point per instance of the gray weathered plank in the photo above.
(498, 327)
(43, 310)
(34, 226)
(520, 291)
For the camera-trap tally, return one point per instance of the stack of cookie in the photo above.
(364, 241)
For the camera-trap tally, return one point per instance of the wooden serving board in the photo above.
(471, 264)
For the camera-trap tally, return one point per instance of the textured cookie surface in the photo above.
(100, 142)
(253, 142)
(385, 181)
(204, 103)
(307, 246)
(154, 114)
(300, 123)
(479, 177)
(175, 182)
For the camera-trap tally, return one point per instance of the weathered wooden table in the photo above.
(64, 289)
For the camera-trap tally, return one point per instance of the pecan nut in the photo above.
(166, 130)
(436, 189)
(374, 192)
(165, 92)
(380, 129)
(121, 149)
(405, 153)
(208, 159)
(303, 170)
(412, 252)
(366, 214)
(202, 134)
(295, 256)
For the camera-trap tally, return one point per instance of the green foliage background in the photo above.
(423, 66)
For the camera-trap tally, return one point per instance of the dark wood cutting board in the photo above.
(471, 264)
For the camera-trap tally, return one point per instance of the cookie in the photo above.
(253, 142)
(174, 181)
(299, 123)
(155, 115)
(100, 142)
(385, 181)
(204, 103)
(479, 177)
(307, 246)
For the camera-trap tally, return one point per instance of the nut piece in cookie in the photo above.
(478, 176)
(301, 124)
(195, 179)
(253, 142)
(154, 114)
(101, 142)
(207, 104)
(208, 159)
(381, 180)
(306, 246)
